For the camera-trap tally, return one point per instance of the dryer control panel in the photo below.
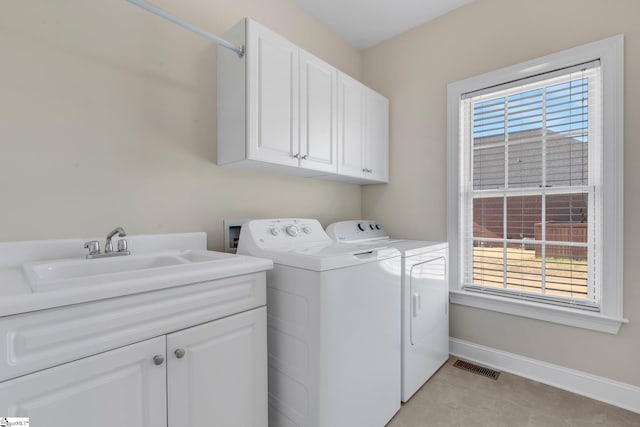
(356, 230)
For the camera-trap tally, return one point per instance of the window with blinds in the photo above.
(530, 186)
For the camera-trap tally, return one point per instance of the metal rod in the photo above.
(161, 13)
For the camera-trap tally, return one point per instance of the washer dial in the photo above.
(292, 230)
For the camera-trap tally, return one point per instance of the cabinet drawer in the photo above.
(38, 340)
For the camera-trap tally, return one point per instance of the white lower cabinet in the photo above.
(214, 374)
(122, 387)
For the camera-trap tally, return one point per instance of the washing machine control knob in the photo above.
(360, 226)
(274, 231)
(292, 230)
(306, 229)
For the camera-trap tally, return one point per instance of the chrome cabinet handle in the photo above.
(304, 157)
(296, 156)
(179, 353)
(158, 360)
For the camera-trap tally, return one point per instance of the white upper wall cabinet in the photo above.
(281, 109)
(363, 131)
(351, 129)
(376, 149)
(318, 115)
(272, 98)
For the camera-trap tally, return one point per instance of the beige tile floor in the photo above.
(453, 397)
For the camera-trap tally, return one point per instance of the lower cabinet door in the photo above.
(217, 373)
(122, 387)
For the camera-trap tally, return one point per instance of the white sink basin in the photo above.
(65, 273)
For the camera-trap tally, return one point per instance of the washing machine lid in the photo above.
(302, 243)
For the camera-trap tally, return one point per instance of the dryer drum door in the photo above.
(429, 304)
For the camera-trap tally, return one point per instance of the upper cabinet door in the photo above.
(318, 115)
(116, 388)
(351, 126)
(377, 137)
(273, 97)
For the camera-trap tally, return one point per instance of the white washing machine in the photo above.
(425, 298)
(333, 319)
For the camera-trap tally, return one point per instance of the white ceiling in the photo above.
(365, 23)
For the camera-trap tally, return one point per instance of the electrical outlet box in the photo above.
(232, 234)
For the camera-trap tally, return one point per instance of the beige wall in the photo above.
(108, 117)
(413, 70)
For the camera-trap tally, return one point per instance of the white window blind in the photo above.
(530, 181)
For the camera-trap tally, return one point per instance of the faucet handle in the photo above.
(93, 246)
(122, 245)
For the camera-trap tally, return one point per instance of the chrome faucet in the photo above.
(94, 246)
(108, 246)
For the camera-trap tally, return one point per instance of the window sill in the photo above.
(539, 311)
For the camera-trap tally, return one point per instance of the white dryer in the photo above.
(425, 298)
(333, 319)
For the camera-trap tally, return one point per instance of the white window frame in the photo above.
(609, 319)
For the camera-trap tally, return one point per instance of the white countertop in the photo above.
(16, 295)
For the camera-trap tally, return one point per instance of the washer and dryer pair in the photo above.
(424, 296)
(341, 347)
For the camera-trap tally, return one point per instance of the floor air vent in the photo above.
(475, 369)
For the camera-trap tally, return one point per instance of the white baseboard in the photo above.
(599, 388)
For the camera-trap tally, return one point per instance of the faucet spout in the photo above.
(119, 231)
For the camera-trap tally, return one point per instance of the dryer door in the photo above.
(429, 317)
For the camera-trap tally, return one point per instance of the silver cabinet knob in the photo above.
(304, 157)
(158, 360)
(296, 156)
(179, 353)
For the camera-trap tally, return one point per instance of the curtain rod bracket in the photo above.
(161, 13)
